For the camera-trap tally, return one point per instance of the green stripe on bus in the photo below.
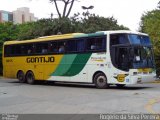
(95, 34)
(64, 65)
(78, 64)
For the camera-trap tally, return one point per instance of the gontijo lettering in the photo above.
(40, 59)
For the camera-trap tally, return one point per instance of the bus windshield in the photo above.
(139, 39)
(135, 51)
(142, 57)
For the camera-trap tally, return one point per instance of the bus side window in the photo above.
(96, 44)
(53, 48)
(28, 49)
(41, 48)
(71, 46)
(7, 50)
(61, 47)
(91, 44)
(80, 45)
(116, 39)
(101, 43)
(17, 50)
(12, 50)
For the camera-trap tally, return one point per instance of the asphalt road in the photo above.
(44, 98)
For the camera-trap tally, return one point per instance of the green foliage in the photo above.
(46, 27)
(150, 23)
(25, 31)
(92, 23)
(96, 23)
(8, 31)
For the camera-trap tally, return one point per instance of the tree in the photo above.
(68, 4)
(150, 23)
(158, 5)
(8, 31)
(92, 23)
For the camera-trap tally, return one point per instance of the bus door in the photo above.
(122, 58)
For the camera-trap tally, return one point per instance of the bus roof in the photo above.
(44, 38)
(122, 31)
(72, 35)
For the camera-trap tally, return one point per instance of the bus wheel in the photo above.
(21, 77)
(30, 77)
(120, 85)
(100, 81)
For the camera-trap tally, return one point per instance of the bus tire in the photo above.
(30, 77)
(21, 76)
(100, 81)
(120, 85)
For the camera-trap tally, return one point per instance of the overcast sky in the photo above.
(127, 12)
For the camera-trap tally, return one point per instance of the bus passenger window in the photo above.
(44, 50)
(80, 45)
(71, 46)
(91, 44)
(116, 39)
(101, 43)
(93, 47)
(96, 44)
(53, 47)
(61, 47)
(7, 50)
(41, 48)
(28, 49)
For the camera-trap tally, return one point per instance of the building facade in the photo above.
(6, 16)
(19, 16)
(22, 15)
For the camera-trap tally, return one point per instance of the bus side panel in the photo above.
(97, 63)
(8, 67)
(81, 68)
(8, 72)
(50, 68)
(42, 66)
(71, 65)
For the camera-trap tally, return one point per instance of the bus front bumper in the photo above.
(142, 78)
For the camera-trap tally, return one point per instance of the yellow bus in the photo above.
(103, 58)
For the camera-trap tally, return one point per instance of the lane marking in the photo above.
(156, 81)
(149, 105)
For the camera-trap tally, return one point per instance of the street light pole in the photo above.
(87, 8)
